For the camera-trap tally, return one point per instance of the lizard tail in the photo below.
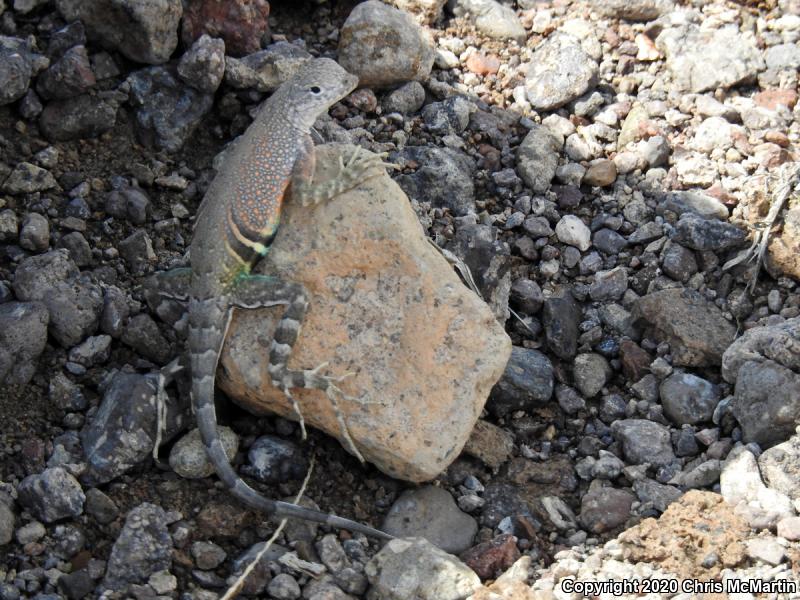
(205, 342)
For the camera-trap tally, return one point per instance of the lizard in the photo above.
(237, 221)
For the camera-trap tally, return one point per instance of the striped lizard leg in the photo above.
(361, 165)
(258, 291)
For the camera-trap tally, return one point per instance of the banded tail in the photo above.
(208, 323)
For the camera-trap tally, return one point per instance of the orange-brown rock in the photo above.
(241, 23)
(784, 247)
(696, 537)
(423, 349)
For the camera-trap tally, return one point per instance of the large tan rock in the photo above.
(424, 349)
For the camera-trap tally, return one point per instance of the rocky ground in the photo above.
(606, 170)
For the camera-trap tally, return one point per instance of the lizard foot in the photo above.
(300, 419)
(361, 165)
(327, 383)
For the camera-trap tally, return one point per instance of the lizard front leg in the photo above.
(254, 291)
(361, 165)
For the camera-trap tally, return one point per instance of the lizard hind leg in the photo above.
(258, 290)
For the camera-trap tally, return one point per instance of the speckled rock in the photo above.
(23, 335)
(695, 328)
(144, 32)
(560, 71)
(372, 231)
(52, 495)
(143, 548)
(384, 46)
(188, 456)
(701, 60)
(242, 24)
(415, 569)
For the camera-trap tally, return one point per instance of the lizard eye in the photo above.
(314, 89)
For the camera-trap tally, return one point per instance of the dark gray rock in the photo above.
(489, 261)
(7, 521)
(526, 383)
(644, 442)
(71, 75)
(143, 335)
(100, 507)
(275, 460)
(695, 329)
(608, 241)
(570, 401)
(430, 512)
(609, 285)
(265, 69)
(9, 225)
(766, 402)
(407, 99)
(52, 495)
(61, 40)
(605, 509)
(143, 547)
(145, 32)
(537, 157)
(560, 71)
(85, 116)
(123, 430)
(129, 203)
(23, 335)
(79, 250)
(137, 251)
(688, 399)
(16, 68)
(561, 317)
(73, 301)
(692, 201)
(591, 373)
(503, 500)
(76, 585)
(678, 262)
(698, 233)
(537, 227)
(203, 65)
(526, 296)
(94, 350)
(658, 494)
(444, 178)
(778, 343)
(167, 110)
(448, 116)
(35, 233)
(115, 312)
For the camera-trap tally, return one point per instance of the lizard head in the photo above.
(316, 86)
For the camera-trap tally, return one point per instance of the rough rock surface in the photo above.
(240, 23)
(384, 46)
(695, 329)
(560, 71)
(784, 248)
(144, 32)
(705, 60)
(414, 568)
(430, 512)
(683, 538)
(425, 416)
